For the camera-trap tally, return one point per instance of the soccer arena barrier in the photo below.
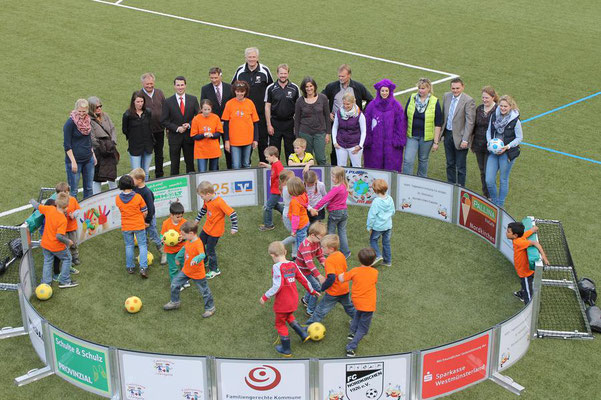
(422, 374)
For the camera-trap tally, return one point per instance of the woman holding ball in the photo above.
(505, 125)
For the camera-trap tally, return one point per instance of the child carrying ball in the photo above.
(379, 221)
(175, 221)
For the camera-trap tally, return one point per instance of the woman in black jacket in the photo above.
(104, 143)
(136, 127)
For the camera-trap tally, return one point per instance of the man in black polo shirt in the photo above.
(280, 100)
(258, 77)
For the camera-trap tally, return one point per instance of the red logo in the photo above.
(263, 378)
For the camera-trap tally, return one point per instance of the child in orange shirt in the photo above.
(240, 125)
(191, 257)
(72, 213)
(297, 213)
(515, 232)
(55, 241)
(216, 209)
(336, 292)
(175, 221)
(364, 296)
(133, 211)
(206, 130)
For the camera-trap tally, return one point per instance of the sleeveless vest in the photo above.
(429, 116)
(507, 136)
(349, 131)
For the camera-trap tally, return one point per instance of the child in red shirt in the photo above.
(297, 212)
(206, 130)
(272, 155)
(175, 221)
(309, 249)
(515, 232)
(285, 274)
(191, 257)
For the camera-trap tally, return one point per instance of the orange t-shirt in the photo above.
(206, 148)
(297, 209)
(241, 116)
(167, 225)
(520, 255)
(336, 264)
(72, 207)
(132, 218)
(217, 209)
(56, 222)
(363, 293)
(193, 249)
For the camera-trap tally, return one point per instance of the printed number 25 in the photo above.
(223, 189)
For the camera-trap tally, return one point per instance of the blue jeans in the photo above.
(494, 164)
(273, 202)
(456, 160)
(207, 164)
(301, 234)
(416, 146)
(290, 240)
(203, 287)
(142, 161)
(337, 221)
(328, 302)
(312, 300)
(128, 238)
(240, 156)
(210, 243)
(84, 170)
(373, 241)
(65, 257)
(153, 234)
(359, 327)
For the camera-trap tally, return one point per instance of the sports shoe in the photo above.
(144, 273)
(349, 254)
(163, 258)
(67, 284)
(304, 301)
(208, 312)
(350, 353)
(130, 270)
(376, 261)
(55, 278)
(172, 305)
(309, 313)
(350, 336)
(518, 294)
(212, 274)
(387, 264)
(75, 261)
(265, 228)
(74, 271)
(187, 284)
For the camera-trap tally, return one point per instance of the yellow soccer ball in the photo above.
(171, 237)
(135, 241)
(133, 304)
(150, 258)
(316, 331)
(43, 291)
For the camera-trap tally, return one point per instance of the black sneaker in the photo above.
(265, 228)
(518, 294)
(305, 303)
(67, 284)
(144, 273)
(350, 336)
(131, 270)
(350, 353)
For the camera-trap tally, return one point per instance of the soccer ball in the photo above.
(43, 291)
(133, 304)
(135, 241)
(149, 257)
(372, 393)
(316, 331)
(495, 145)
(171, 237)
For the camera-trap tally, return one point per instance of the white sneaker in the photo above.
(377, 261)
(163, 258)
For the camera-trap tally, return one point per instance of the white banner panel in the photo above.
(34, 326)
(425, 197)
(263, 380)
(506, 245)
(157, 376)
(386, 377)
(170, 190)
(360, 191)
(237, 188)
(98, 215)
(514, 338)
(298, 171)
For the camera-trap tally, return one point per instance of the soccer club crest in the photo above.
(364, 381)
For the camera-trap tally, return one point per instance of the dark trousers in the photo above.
(228, 155)
(159, 143)
(283, 130)
(359, 327)
(210, 243)
(333, 158)
(481, 157)
(527, 288)
(456, 160)
(263, 138)
(177, 145)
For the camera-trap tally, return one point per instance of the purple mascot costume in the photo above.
(386, 130)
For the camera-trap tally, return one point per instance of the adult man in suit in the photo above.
(219, 93)
(154, 100)
(459, 111)
(178, 112)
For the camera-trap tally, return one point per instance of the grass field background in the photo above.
(545, 54)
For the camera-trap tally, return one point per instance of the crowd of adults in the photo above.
(256, 112)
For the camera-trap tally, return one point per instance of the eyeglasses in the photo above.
(99, 106)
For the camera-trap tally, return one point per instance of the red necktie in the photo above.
(182, 108)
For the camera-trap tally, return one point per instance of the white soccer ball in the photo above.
(495, 145)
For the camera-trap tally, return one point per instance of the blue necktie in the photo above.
(451, 113)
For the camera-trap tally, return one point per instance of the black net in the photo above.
(11, 251)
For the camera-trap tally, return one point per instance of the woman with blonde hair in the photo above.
(348, 132)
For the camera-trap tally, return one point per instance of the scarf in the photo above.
(501, 123)
(349, 114)
(421, 107)
(83, 124)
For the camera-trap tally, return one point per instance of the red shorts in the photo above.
(280, 322)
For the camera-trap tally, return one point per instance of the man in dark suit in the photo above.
(219, 93)
(154, 100)
(178, 112)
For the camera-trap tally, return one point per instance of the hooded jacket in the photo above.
(379, 217)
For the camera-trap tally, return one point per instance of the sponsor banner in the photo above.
(298, 171)
(81, 363)
(25, 275)
(360, 181)
(365, 379)
(155, 376)
(99, 214)
(425, 197)
(237, 188)
(453, 367)
(478, 215)
(263, 380)
(170, 190)
(514, 338)
(506, 245)
(36, 332)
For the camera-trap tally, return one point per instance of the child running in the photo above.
(379, 222)
(272, 155)
(316, 189)
(301, 158)
(285, 274)
(309, 249)
(175, 221)
(298, 209)
(285, 175)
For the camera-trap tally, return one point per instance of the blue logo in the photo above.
(243, 186)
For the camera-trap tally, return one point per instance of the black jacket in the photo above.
(361, 93)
